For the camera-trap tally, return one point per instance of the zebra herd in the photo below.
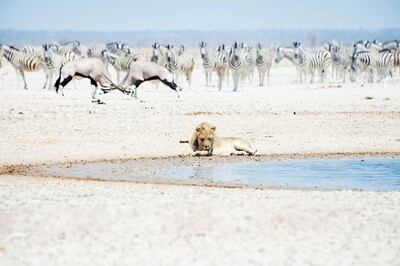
(363, 61)
(368, 61)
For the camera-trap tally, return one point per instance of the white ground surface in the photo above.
(45, 221)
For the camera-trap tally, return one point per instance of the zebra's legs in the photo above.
(50, 81)
(21, 72)
(46, 82)
(207, 75)
(261, 74)
(236, 78)
(221, 74)
(268, 72)
(189, 78)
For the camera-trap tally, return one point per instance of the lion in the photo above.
(205, 142)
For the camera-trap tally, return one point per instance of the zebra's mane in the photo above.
(363, 52)
(385, 50)
(13, 48)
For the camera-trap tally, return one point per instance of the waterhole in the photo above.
(364, 174)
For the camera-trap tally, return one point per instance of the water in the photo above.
(369, 174)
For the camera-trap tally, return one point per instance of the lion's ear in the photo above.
(198, 128)
(213, 128)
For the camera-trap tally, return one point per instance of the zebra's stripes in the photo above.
(250, 62)
(74, 46)
(341, 62)
(22, 61)
(264, 58)
(215, 61)
(374, 64)
(312, 62)
(159, 55)
(29, 49)
(55, 61)
(236, 64)
(180, 64)
(288, 53)
(95, 51)
(120, 49)
(121, 63)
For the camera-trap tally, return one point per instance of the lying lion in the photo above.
(205, 142)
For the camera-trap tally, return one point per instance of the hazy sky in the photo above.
(198, 15)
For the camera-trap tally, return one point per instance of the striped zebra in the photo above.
(159, 55)
(23, 62)
(95, 51)
(236, 64)
(215, 61)
(55, 61)
(120, 49)
(312, 62)
(73, 46)
(374, 64)
(180, 64)
(341, 62)
(288, 53)
(120, 63)
(264, 58)
(250, 62)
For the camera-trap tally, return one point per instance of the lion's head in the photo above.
(203, 138)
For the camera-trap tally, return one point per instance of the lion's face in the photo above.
(205, 137)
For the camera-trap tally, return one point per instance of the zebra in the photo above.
(95, 51)
(288, 53)
(341, 62)
(120, 63)
(23, 62)
(236, 64)
(250, 62)
(180, 64)
(374, 63)
(264, 58)
(214, 62)
(159, 55)
(74, 46)
(316, 61)
(55, 61)
(118, 48)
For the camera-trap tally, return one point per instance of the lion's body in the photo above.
(205, 142)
